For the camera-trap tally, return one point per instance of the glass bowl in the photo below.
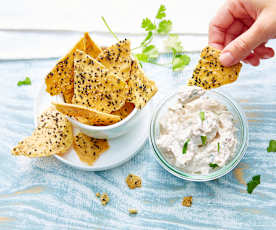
(241, 133)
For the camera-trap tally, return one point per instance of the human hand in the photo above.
(241, 29)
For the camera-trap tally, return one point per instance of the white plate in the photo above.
(121, 148)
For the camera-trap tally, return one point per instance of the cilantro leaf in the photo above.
(164, 27)
(26, 81)
(202, 116)
(148, 39)
(148, 25)
(173, 43)
(272, 146)
(213, 166)
(203, 140)
(180, 61)
(185, 146)
(218, 147)
(161, 12)
(251, 185)
(149, 54)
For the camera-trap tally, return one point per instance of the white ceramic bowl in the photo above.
(111, 131)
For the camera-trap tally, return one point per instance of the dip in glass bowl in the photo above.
(174, 154)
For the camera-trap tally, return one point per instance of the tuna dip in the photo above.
(197, 133)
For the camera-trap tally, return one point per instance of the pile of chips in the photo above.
(99, 87)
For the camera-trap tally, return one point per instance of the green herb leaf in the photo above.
(203, 139)
(161, 12)
(251, 185)
(272, 146)
(179, 62)
(164, 27)
(26, 81)
(202, 116)
(148, 25)
(109, 29)
(185, 146)
(218, 147)
(173, 43)
(148, 39)
(213, 166)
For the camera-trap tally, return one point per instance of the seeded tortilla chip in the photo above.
(60, 79)
(68, 96)
(117, 58)
(140, 88)
(86, 115)
(125, 110)
(53, 135)
(88, 148)
(210, 73)
(95, 86)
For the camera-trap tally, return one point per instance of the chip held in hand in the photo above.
(210, 73)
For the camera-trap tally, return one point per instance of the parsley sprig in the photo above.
(162, 26)
(272, 146)
(26, 81)
(149, 52)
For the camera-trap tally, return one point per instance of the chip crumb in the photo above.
(104, 199)
(98, 194)
(132, 211)
(133, 181)
(187, 201)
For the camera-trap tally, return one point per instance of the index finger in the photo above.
(219, 25)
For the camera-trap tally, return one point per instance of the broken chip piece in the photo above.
(60, 79)
(88, 148)
(53, 135)
(117, 58)
(187, 201)
(210, 73)
(86, 115)
(95, 87)
(125, 110)
(133, 181)
(104, 198)
(140, 88)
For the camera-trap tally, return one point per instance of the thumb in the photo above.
(242, 46)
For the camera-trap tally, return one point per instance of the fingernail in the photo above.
(226, 59)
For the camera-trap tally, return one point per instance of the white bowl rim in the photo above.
(101, 128)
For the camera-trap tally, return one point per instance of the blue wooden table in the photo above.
(46, 194)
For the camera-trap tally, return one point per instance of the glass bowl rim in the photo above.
(218, 173)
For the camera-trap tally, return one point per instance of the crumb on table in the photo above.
(98, 194)
(187, 201)
(132, 211)
(133, 181)
(104, 198)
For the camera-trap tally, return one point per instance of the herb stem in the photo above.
(114, 35)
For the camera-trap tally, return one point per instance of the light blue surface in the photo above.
(64, 198)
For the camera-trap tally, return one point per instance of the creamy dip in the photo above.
(197, 133)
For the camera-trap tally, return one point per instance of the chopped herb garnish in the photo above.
(203, 140)
(272, 146)
(213, 166)
(202, 116)
(185, 146)
(251, 185)
(161, 12)
(218, 147)
(26, 81)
